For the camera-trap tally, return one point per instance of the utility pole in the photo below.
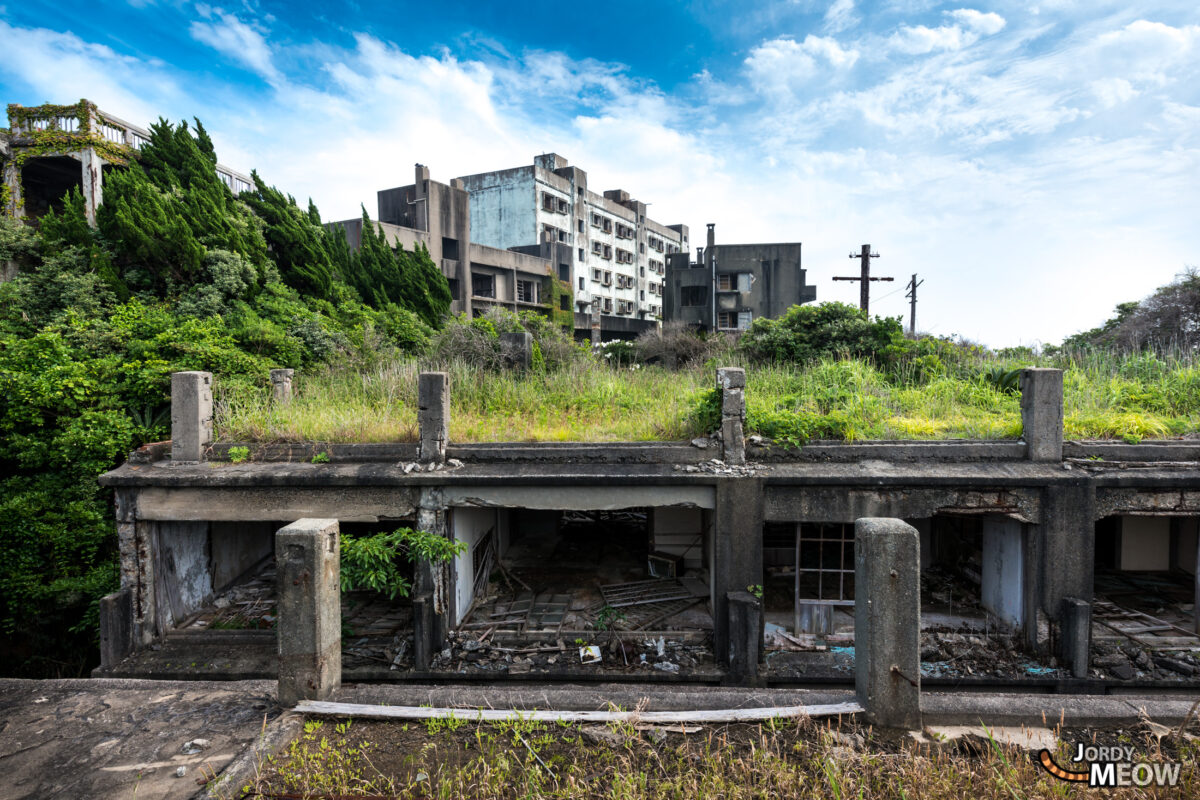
(912, 310)
(864, 290)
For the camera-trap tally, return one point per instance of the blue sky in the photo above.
(1035, 162)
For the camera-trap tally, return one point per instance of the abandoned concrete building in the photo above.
(502, 237)
(615, 254)
(728, 286)
(1050, 565)
(52, 149)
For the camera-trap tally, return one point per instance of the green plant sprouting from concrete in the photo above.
(371, 563)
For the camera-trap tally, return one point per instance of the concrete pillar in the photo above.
(281, 385)
(517, 349)
(1042, 413)
(731, 383)
(737, 561)
(191, 416)
(93, 183)
(1077, 635)
(307, 559)
(12, 182)
(745, 637)
(1066, 544)
(433, 415)
(434, 583)
(116, 627)
(887, 622)
(596, 339)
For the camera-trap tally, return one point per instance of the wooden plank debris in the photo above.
(363, 711)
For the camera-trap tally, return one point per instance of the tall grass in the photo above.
(1131, 397)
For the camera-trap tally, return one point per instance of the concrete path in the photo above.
(106, 738)
(115, 738)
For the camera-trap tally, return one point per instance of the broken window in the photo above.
(692, 296)
(526, 292)
(483, 285)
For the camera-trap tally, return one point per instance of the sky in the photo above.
(1034, 163)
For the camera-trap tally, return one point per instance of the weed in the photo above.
(239, 454)
(321, 458)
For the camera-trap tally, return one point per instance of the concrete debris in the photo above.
(598, 734)
(195, 746)
(180, 772)
(666, 666)
(716, 466)
(702, 443)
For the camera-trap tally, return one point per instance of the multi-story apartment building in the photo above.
(728, 286)
(437, 216)
(615, 257)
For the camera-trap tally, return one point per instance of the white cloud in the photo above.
(920, 39)
(986, 24)
(780, 66)
(241, 42)
(840, 16)
(1113, 91)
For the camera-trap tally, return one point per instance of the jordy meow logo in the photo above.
(1111, 766)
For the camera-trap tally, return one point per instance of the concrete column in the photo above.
(191, 416)
(12, 181)
(307, 559)
(1067, 555)
(93, 183)
(281, 385)
(432, 592)
(1077, 635)
(731, 383)
(1042, 413)
(887, 622)
(737, 561)
(517, 349)
(116, 627)
(745, 637)
(433, 415)
(596, 339)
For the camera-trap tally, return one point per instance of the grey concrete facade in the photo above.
(728, 286)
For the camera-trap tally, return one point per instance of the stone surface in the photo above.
(281, 385)
(70, 739)
(433, 415)
(1042, 413)
(887, 619)
(307, 557)
(191, 416)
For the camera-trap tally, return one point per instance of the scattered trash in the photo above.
(180, 772)
(589, 654)
(194, 746)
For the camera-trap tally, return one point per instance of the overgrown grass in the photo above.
(1106, 396)
(782, 758)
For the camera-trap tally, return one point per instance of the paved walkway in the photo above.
(112, 739)
(115, 738)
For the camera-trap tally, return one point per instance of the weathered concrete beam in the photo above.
(737, 561)
(116, 627)
(1042, 413)
(731, 383)
(433, 589)
(887, 622)
(1067, 547)
(191, 416)
(1077, 635)
(745, 637)
(433, 415)
(281, 385)
(307, 558)
(517, 349)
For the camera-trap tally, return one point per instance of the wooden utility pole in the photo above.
(912, 309)
(864, 289)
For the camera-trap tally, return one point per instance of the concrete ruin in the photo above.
(676, 560)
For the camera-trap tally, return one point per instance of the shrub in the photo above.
(679, 345)
(369, 563)
(808, 333)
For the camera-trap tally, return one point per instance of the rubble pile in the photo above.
(623, 654)
(716, 466)
(956, 653)
(1130, 661)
